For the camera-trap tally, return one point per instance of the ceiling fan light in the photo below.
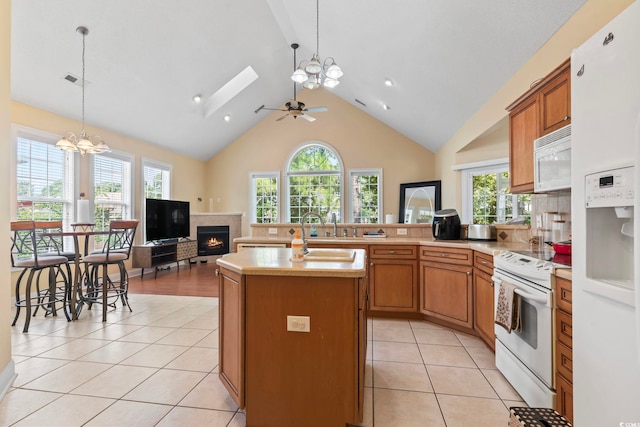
(299, 76)
(313, 66)
(334, 71)
(330, 83)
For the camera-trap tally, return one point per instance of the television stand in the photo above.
(153, 255)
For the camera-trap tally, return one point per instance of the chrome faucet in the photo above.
(302, 220)
(335, 224)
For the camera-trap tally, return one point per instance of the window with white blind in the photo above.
(111, 176)
(365, 196)
(156, 180)
(265, 198)
(44, 177)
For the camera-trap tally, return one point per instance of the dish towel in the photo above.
(508, 308)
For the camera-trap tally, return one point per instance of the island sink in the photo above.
(332, 255)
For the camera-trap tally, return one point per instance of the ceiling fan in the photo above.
(295, 108)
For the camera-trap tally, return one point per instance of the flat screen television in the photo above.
(166, 219)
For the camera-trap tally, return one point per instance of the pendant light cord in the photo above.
(84, 35)
(318, 29)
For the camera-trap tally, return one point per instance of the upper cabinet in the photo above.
(543, 109)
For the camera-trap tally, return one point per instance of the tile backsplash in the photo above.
(550, 207)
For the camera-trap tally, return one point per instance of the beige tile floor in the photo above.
(158, 366)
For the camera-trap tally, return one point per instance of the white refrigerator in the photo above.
(605, 104)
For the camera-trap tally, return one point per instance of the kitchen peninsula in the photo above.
(293, 336)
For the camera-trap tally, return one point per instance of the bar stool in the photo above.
(116, 250)
(24, 254)
(49, 244)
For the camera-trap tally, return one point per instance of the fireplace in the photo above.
(213, 240)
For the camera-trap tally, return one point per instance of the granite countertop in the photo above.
(277, 262)
(488, 247)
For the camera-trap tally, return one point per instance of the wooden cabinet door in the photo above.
(393, 285)
(232, 334)
(523, 130)
(555, 103)
(564, 398)
(446, 292)
(483, 307)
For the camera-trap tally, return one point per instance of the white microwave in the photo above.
(552, 161)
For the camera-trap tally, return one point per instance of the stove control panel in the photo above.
(533, 269)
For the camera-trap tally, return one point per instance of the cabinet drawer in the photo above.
(483, 261)
(563, 294)
(395, 252)
(446, 255)
(564, 361)
(564, 328)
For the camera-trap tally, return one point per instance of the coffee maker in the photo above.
(446, 225)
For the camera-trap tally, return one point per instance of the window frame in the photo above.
(479, 168)
(288, 174)
(253, 194)
(72, 172)
(350, 190)
(128, 205)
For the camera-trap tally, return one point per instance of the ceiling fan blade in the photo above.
(316, 109)
(273, 109)
(278, 119)
(308, 117)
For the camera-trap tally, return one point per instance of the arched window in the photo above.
(314, 182)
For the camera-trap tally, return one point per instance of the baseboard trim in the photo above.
(7, 376)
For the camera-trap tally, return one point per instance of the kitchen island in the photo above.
(293, 336)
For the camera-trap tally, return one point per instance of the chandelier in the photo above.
(314, 73)
(84, 144)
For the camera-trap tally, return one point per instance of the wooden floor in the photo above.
(199, 280)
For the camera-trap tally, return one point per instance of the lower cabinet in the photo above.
(284, 377)
(564, 346)
(483, 298)
(446, 290)
(393, 278)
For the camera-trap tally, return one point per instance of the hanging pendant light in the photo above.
(311, 74)
(83, 144)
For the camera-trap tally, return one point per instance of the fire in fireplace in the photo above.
(213, 240)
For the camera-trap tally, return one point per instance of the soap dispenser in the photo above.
(297, 248)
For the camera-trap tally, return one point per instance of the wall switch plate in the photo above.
(298, 323)
(402, 231)
(273, 231)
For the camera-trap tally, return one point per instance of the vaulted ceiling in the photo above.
(146, 59)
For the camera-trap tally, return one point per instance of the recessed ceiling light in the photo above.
(227, 118)
(197, 99)
(388, 82)
(386, 107)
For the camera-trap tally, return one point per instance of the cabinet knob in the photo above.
(491, 284)
(392, 252)
(566, 117)
(443, 254)
(483, 262)
(468, 273)
(217, 272)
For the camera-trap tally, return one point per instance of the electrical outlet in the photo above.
(298, 323)
(273, 231)
(401, 231)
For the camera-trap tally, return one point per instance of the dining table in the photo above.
(76, 233)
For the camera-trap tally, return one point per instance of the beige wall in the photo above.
(585, 22)
(6, 366)
(361, 141)
(187, 174)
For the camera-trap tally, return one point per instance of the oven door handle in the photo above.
(541, 299)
